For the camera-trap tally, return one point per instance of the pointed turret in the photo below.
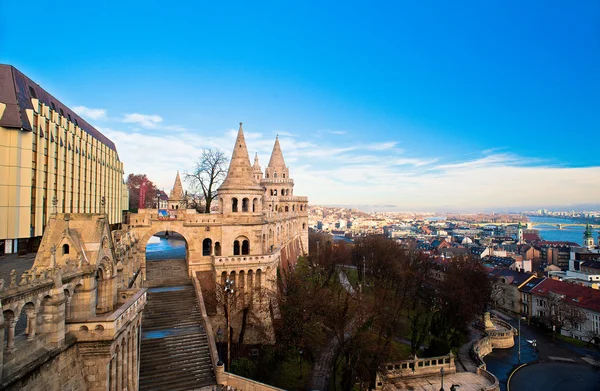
(277, 156)
(240, 175)
(256, 169)
(177, 191)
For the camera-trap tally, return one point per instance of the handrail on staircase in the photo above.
(135, 275)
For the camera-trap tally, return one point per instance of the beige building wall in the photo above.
(56, 159)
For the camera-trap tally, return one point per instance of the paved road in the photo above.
(555, 376)
(501, 362)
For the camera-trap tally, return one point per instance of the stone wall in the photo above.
(62, 372)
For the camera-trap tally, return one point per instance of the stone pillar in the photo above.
(130, 373)
(119, 377)
(112, 375)
(10, 340)
(31, 323)
(124, 363)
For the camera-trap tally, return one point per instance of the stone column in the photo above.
(10, 340)
(112, 373)
(119, 377)
(125, 366)
(130, 373)
(31, 323)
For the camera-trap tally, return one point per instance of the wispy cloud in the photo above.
(338, 132)
(144, 120)
(89, 113)
(334, 171)
(381, 146)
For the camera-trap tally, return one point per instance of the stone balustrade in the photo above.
(266, 260)
(420, 366)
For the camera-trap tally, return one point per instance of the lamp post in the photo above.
(301, 374)
(519, 340)
(228, 293)
(219, 339)
(157, 201)
(442, 373)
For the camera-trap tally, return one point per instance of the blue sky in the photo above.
(424, 105)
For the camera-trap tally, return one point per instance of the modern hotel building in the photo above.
(51, 160)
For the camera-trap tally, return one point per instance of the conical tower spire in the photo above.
(177, 191)
(277, 156)
(256, 165)
(240, 175)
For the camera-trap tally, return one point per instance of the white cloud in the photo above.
(377, 173)
(144, 120)
(381, 146)
(89, 113)
(338, 132)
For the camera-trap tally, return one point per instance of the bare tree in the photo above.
(210, 170)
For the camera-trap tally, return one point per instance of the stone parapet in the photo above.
(107, 327)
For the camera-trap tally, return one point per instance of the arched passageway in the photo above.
(167, 259)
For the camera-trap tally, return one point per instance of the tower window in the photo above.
(234, 204)
(65, 249)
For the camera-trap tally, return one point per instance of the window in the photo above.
(245, 247)
(236, 247)
(206, 246)
(32, 92)
(65, 249)
(245, 203)
(53, 106)
(234, 204)
(62, 113)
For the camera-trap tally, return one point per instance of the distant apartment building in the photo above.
(51, 160)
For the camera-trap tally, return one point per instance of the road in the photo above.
(501, 362)
(555, 376)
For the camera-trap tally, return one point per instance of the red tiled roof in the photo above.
(531, 237)
(577, 295)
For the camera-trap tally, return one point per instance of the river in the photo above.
(549, 232)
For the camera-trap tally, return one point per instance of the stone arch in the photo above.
(218, 249)
(287, 208)
(245, 204)
(26, 320)
(234, 205)
(65, 249)
(255, 205)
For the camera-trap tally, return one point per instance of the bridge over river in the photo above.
(530, 225)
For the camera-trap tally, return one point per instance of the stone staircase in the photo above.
(174, 353)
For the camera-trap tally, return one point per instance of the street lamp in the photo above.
(158, 200)
(228, 293)
(442, 373)
(220, 339)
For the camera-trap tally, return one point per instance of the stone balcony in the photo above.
(106, 327)
(248, 261)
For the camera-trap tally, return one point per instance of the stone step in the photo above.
(174, 352)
